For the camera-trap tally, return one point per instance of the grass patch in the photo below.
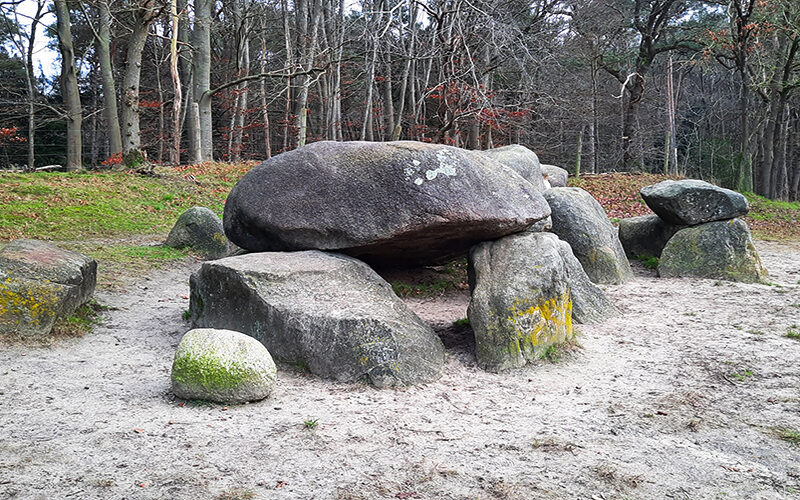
(741, 375)
(461, 323)
(555, 353)
(310, 423)
(121, 260)
(789, 435)
(793, 332)
(74, 206)
(81, 321)
(648, 261)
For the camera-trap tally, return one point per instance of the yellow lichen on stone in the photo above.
(539, 324)
(28, 305)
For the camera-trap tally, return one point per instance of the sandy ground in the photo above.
(681, 397)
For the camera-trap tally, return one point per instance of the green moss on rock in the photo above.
(716, 250)
(222, 366)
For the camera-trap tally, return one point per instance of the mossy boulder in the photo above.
(645, 235)
(401, 203)
(581, 221)
(222, 366)
(330, 313)
(39, 283)
(201, 230)
(555, 176)
(521, 303)
(717, 250)
(520, 159)
(690, 202)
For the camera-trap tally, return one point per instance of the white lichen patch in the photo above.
(447, 167)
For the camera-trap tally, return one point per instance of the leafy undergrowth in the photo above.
(618, 193)
(75, 206)
(774, 219)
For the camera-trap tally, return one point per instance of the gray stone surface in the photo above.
(719, 250)
(222, 366)
(522, 160)
(645, 235)
(590, 304)
(556, 176)
(39, 283)
(545, 224)
(690, 202)
(521, 302)
(579, 220)
(396, 203)
(201, 230)
(328, 313)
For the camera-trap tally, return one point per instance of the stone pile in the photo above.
(307, 215)
(695, 232)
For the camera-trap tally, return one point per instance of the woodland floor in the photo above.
(694, 392)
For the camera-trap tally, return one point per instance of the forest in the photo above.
(698, 88)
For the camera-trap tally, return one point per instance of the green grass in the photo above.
(742, 375)
(789, 435)
(461, 323)
(648, 261)
(310, 423)
(773, 219)
(793, 332)
(74, 206)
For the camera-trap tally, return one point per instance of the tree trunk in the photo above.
(264, 112)
(69, 85)
(175, 149)
(187, 80)
(131, 137)
(110, 112)
(201, 70)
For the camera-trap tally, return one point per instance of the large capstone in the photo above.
(40, 283)
(521, 302)
(522, 160)
(690, 202)
(329, 313)
(556, 176)
(579, 220)
(200, 230)
(719, 250)
(396, 203)
(222, 366)
(645, 235)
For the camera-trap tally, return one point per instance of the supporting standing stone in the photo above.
(579, 220)
(718, 250)
(645, 235)
(521, 302)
